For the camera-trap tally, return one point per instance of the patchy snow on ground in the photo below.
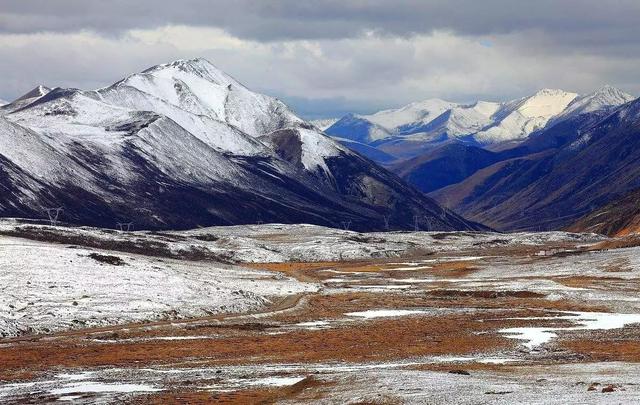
(94, 387)
(271, 243)
(51, 287)
(536, 336)
(387, 313)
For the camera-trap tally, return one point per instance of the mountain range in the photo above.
(553, 160)
(419, 127)
(558, 176)
(182, 145)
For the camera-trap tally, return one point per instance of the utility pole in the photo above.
(346, 225)
(386, 221)
(445, 206)
(416, 224)
(429, 223)
(54, 214)
(125, 226)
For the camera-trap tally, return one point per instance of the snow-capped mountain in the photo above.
(605, 98)
(567, 171)
(516, 119)
(458, 121)
(412, 130)
(183, 144)
(387, 124)
(357, 128)
(25, 99)
(411, 114)
(324, 123)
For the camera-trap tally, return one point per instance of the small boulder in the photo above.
(461, 372)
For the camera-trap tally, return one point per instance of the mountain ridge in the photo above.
(481, 123)
(182, 145)
(585, 165)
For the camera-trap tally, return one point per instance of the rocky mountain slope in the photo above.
(560, 175)
(620, 217)
(183, 145)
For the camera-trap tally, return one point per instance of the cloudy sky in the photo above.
(327, 57)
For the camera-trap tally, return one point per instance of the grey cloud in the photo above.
(452, 49)
(294, 19)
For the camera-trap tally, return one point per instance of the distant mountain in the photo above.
(182, 145)
(415, 129)
(26, 99)
(443, 166)
(413, 114)
(357, 128)
(557, 176)
(516, 119)
(603, 99)
(323, 124)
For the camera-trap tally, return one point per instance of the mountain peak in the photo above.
(194, 63)
(604, 98)
(196, 67)
(613, 93)
(546, 103)
(38, 91)
(550, 92)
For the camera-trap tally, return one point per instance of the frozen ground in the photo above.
(46, 287)
(360, 383)
(420, 317)
(274, 243)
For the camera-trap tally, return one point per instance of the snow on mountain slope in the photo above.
(324, 123)
(604, 98)
(418, 112)
(3, 102)
(468, 119)
(26, 99)
(208, 103)
(198, 87)
(315, 149)
(388, 123)
(357, 128)
(418, 127)
(459, 121)
(519, 118)
(182, 145)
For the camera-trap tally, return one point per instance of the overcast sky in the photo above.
(326, 58)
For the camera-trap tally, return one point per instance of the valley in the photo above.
(324, 316)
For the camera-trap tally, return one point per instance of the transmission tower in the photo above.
(429, 223)
(125, 226)
(386, 222)
(54, 214)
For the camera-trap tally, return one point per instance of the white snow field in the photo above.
(47, 287)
